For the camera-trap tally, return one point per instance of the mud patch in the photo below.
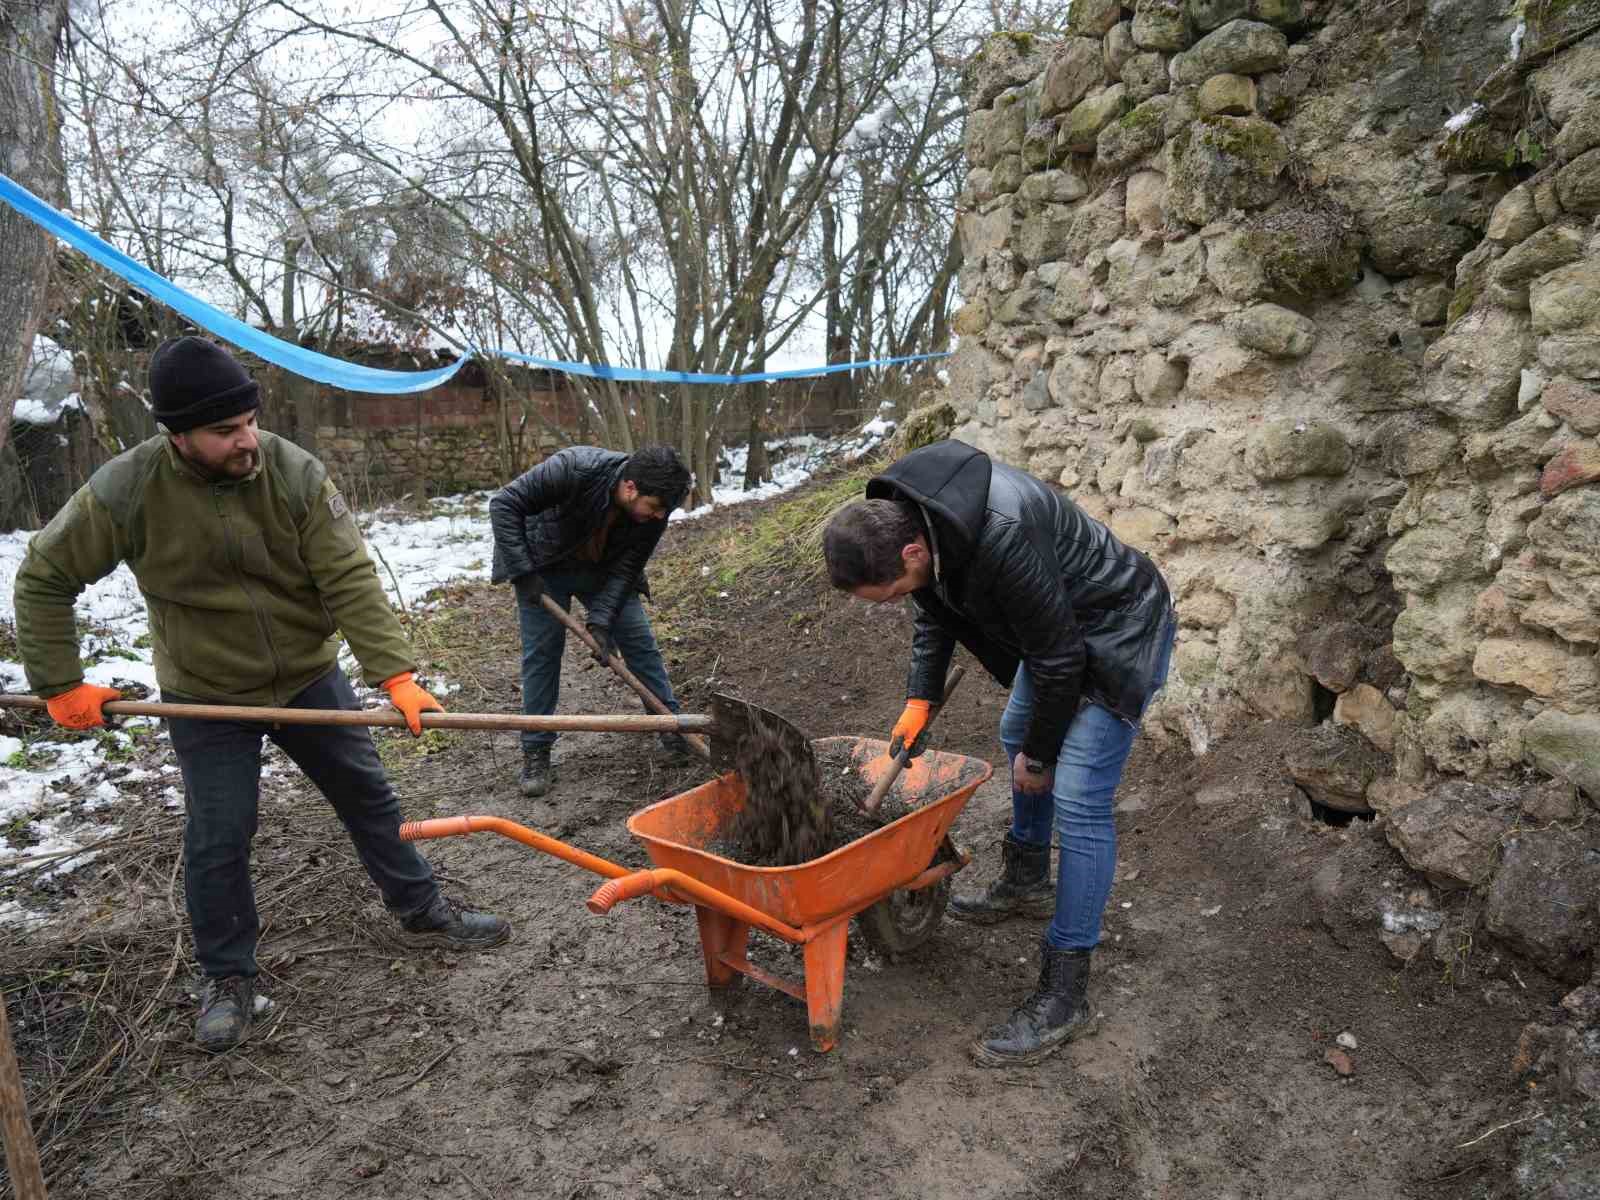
(786, 819)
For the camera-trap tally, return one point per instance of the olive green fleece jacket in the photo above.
(248, 582)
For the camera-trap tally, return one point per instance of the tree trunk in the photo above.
(30, 153)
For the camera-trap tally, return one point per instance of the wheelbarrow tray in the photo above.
(936, 786)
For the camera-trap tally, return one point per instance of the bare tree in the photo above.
(30, 153)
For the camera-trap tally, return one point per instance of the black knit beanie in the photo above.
(194, 382)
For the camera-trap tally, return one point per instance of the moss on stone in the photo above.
(1476, 146)
(1461, 302)
(1256, 142)
(1308, 248)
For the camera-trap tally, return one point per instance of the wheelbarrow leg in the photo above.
(825, 984)
(721, 937)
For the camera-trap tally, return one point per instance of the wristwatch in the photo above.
(1036, 766)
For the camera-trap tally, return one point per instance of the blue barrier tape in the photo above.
(336, 371)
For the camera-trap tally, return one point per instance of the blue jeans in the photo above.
(221, 765)
(1091, 759)
(544, 638)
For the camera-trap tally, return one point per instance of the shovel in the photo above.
(898, 764)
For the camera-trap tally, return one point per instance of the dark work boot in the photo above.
(677, 749)
(1058, 1012)
(228, 1008)
(535, 779)
(1024, 888)
(447, 923)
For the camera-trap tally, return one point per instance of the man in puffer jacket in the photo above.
(1080, 626)
(583, 523)
(251, 566)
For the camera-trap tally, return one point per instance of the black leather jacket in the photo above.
(1022, 574)
(544, 514)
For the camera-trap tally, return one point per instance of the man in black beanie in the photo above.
(251, 566)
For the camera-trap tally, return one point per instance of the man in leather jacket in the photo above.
(583, 523)
(1080, 626)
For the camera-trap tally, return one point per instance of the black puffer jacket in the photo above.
(544, 514)
(1022, 574)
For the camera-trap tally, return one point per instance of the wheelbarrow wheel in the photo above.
(903, 920)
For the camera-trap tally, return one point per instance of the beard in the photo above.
(226, 466)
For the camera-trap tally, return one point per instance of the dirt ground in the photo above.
(584, 1059)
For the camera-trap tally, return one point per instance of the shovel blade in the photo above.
(735, 722)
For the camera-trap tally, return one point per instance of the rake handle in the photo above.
(389, 718)
(898, 763)
(651, 701)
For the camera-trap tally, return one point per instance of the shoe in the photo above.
(535, 779)
(1024, 888)
(447, 923)
(229, 1006)
(677, 749)
(1058, 1012)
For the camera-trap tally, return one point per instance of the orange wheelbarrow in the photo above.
(896, 879)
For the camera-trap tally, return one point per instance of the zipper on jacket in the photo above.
(235, 550)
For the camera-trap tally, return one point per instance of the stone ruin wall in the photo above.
(1306, 304)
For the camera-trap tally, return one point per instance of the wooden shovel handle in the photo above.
(651, 701)
(898, 764)
(388, 717)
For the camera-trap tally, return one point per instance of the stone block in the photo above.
(1475, 369)
(1578, 184)
(1286, 14)
(1542, 899)
(1452, 833)
(1059, 186)
(1145, 529)
(1132, 136)
(1093, 18)
(1117, 48)
(1573, 466)
(1541, 667)
(1222, 163)
(1333, 653)
(1274, 330)
(1157, 380)
(1228, 96)
(1433, 635)
(1569, 401)
(1233, 265)
(1581, 132)
(1206, 15)
(1566, 745)
(1146, 210)
(1515, 217)
(971, 319)
(1160, 25)
(1089, 116)
(1238, 48)
(1289, 448)
(1334, 767)
(1430, 304)
(1538, 254)
(1145, 75)
(1178, 273)
(1074, 68)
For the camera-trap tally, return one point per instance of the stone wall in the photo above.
(1232, 282)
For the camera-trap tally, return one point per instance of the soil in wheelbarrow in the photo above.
(796, 811)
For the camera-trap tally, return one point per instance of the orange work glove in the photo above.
(410, 699)
(80, 708)
(908, 730)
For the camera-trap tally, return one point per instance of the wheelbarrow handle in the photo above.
(898, 763)
(651, 701)
(643, 883)
(441, 827)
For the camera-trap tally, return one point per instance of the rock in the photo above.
(1452, 833)
(1286, 14)
(1023, 305)
(1566, 745)
(1572, 467)
(1409, 445)
(1570, 401)
(1333, 653)
(1540, 667)
(1039, 150)
(1580, 133)
(1074, 295)
(1306, 250)
(1566, 313)
(1075, 66)
(1335, 768)
(1132, 136)
(1233, 265)
(1578, 184)
(1476, 367)
(971, 319)
(998, 132)
(1075, 381)
(1288, 449)
(1089, 116)
(1145, 75)
(1145, 529)
(1365, 708)
(1158, 381)
(1552, 800)
(1222, 163)
(1005, 61)
(1387, 795)
(1542, 900)
(1238, 48)
(1147, 199)
(1160, 25)
(1206, 15)
(1117, 47)
(1515, 217)
(1551, 247)
(1430, 304)
(1093, 18)
(1053, 187)
(1274, 330)
(1228, 95)
(1009, 173)
(1178, 272)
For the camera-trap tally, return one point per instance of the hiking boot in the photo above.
(1024, 888)
(228, 1008)
(677, 749)
(535, 779)
(1058, 1012)
(447, 923)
